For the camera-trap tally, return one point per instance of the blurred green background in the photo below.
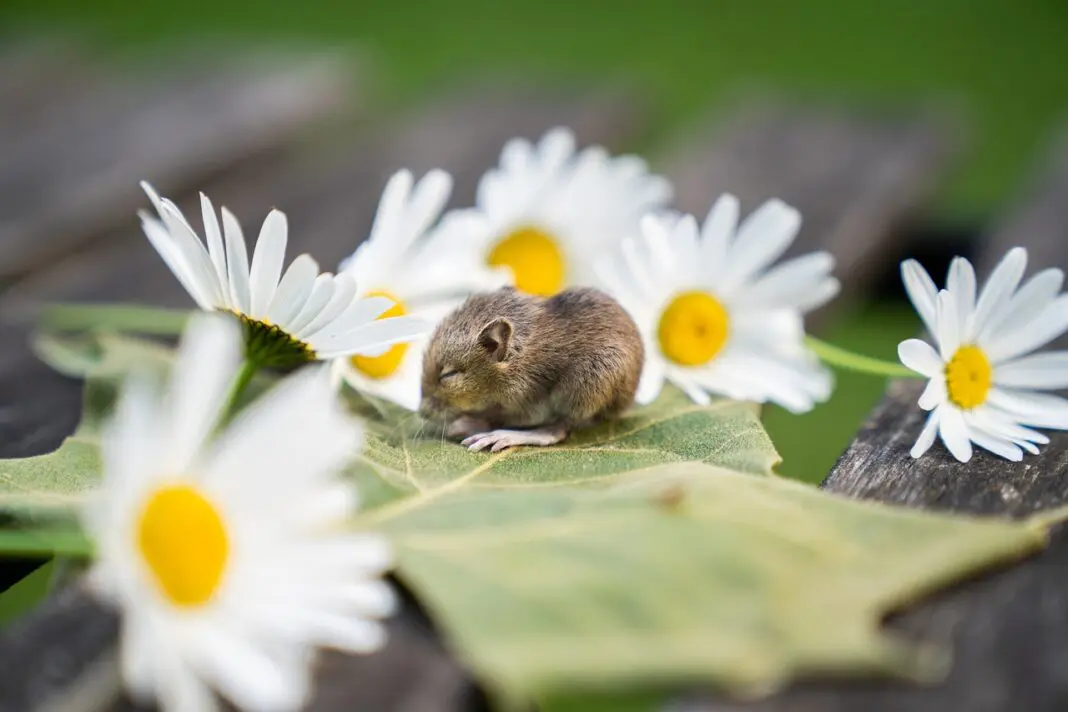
(1003, 63)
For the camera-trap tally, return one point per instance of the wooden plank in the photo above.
(1008, 631)
(856, 176)
(330, 201)
(75, 174)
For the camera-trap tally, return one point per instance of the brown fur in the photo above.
(571, 360)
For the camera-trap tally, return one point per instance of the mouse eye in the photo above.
(447, 373)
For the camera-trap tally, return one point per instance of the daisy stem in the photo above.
(241, 383)
(848, 361)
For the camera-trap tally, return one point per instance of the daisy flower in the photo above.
(546, 212)
(289, 319)
(224, 552)
(407, 260)
(985, 384)
(715, 315)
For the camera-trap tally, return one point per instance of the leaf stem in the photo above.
(30, 543)
(244, 377)
(847, 360)
(114, 317)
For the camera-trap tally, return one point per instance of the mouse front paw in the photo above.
(497, 440)
(466, 426)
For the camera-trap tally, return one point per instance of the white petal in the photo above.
(237, 263)
(762, 238)
(175, 260)
(954, 433)
(949, 325)
(922, 293)
(1044, 371)
(998, 446)
(1040, 410)
(382, 332)
(293, 291)
(1051, 323)
(920, 357)
(267, 262)
(717, 231)
(215, 243)
(692, 390)
(934, 394)
(1024, 306)
(961, 284)
(927, 436)
(245, 675)
(322, 291)
(340, 301)
(803, 283)
(652, 379)
(362, 311)
(208, 359)
(1000, 286)
(296, 432)
(196, 255)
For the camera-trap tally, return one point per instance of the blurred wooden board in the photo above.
(73, 173)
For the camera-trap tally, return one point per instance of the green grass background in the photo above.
(1005, 64)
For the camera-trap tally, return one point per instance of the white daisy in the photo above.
(407, 260)
(984, 388)
(547, 212)
(224, 552)
(715, 318)
(291, 318)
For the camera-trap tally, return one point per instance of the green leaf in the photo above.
(653, 551)
(679, 573)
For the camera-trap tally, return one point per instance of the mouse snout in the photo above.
(430, 407)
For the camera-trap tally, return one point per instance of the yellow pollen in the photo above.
(968, 377)
(387, 364)
(535, 259)
(693, 328)
(184, 542)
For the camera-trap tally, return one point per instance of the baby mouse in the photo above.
(507, 368)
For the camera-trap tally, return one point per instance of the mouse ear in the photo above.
(495, 338)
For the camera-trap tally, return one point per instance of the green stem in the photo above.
(154, 321)
(42, 542)
(244, 378)
(849, 361)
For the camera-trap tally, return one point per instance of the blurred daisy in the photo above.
(546, 212)
(224, 553)
(289, 319)
(984, 387)
(406, 260)
(715, 318)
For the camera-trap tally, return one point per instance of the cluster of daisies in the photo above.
(223, 534)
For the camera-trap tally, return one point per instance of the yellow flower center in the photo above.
(968, 377)
(183, 540)
(387, 364)
(535, 259)
(693, 329)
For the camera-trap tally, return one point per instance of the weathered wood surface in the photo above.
(858, 177)
(67, 177)
(1009, 630)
